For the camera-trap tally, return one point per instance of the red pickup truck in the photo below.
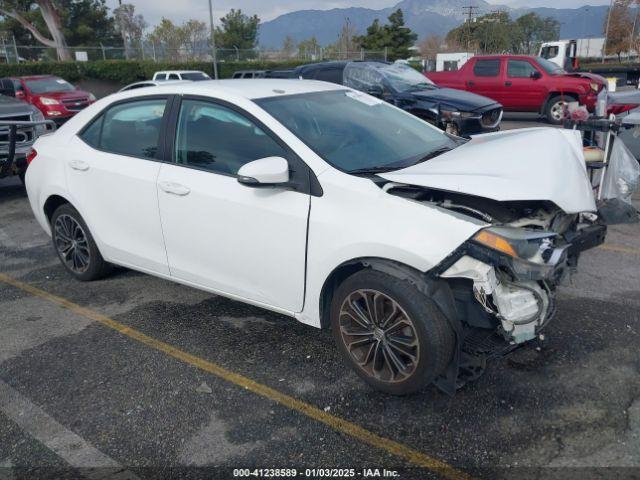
(523, 84)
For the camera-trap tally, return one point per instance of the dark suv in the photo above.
(13, 112)
(456, 111)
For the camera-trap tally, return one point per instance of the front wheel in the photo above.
(555, 109)
(390, 333)
(75, 246)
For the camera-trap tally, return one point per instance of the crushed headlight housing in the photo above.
(529, 254)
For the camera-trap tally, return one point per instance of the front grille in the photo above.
(24, 135)
(76, 104)
(491, 118)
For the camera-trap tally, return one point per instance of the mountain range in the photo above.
(425, 17)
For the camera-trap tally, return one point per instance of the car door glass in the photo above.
(174, 76)
(486, 68)
(215, 138)
(333, 75)
(132, 128)
(520, 69)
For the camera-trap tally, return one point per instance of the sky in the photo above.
(181, 10)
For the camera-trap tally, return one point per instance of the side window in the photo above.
(333, 75)
(486, 68)
(519, 69)
(237, 75)
(91, 135)
(131, 128)
(174, 76)
(215, 138)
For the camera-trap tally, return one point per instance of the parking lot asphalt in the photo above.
(137, 377)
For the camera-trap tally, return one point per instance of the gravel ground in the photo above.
(78, 398)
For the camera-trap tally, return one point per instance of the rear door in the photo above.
(112, 169)
(523, 92)
(485, 78)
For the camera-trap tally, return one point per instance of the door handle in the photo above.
(470, 84)
(174, 188)
(508, 84)
(79, 165)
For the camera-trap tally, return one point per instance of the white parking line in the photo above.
(73, 449)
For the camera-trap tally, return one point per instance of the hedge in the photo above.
(129, 71)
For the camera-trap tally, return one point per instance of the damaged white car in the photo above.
(425, 254)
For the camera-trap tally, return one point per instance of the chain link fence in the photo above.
(10, 52)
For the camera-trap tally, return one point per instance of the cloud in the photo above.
(181, 10)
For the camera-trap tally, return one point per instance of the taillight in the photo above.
(32, 154)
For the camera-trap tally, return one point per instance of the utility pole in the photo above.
(470, 11)
(213, 42)
(606, 32)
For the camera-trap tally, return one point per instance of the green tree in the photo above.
(169, 38)
(309, 48)
(237, 31)
(50, 13)
(288, 46)
(533, 30)
(196, 35)
(130, 25)
(394, 36)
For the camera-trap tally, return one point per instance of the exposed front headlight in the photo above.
(37, 116)
(49, 101)
(594, 86)
(519, 243)
(455, 114)
(92, 97)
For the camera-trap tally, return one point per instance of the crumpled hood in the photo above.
(526, 164)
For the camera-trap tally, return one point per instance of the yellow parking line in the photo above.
(344, 426)
(620, 248)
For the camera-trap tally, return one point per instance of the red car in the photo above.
(56, 98)
(524, 84)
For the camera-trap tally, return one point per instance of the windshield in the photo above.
(195, 76)
(403, 78)
(550, 67)
(398, 77)
(49, 85)
(353, 131)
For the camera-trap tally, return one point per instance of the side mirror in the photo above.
(20, 94)
(266, 172)
(375, 90)
(536, 75)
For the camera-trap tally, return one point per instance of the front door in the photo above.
(112, 169)
(241, 241)
(523, 91)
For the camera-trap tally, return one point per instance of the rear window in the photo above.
(486, 68)
(48, 85)
(195, 76)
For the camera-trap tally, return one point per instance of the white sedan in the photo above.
(425, 254)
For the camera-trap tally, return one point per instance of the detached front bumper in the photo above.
(518, 294)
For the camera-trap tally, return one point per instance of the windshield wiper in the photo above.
(434, 153)
(372, 170)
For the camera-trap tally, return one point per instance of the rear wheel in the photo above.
(391, 334)
(75, 246)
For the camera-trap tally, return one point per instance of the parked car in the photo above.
(14, 110)
(149, 83)
(457, 112)
(250, 74)
(524, 84)
(193, 75)
(56, 98)
(424, 253)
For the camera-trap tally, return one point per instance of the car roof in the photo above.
(249, 88)
(178, 71)
(35, 77)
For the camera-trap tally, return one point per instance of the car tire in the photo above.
(75, 246)
(553, 111)
(425, 336)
